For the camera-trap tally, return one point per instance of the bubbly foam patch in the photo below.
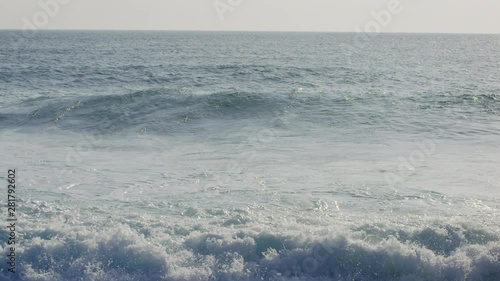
(107, 246)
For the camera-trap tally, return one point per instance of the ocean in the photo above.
(249, 156)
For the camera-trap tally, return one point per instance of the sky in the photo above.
(423, 16)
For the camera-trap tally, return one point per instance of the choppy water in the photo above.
(252, 156)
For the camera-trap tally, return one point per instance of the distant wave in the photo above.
(161, 110)
(158, 109)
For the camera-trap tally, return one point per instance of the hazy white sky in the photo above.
(462, 16)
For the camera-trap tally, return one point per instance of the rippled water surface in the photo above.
(252, 156)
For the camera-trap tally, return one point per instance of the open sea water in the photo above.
(251, 156)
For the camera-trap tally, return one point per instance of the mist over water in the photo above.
(252, 156)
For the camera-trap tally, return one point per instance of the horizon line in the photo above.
(254, 31)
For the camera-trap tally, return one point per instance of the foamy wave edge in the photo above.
(118, 251)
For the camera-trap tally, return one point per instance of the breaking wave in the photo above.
(167, 111)
(98, 248)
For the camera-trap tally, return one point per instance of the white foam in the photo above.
(110, 246)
